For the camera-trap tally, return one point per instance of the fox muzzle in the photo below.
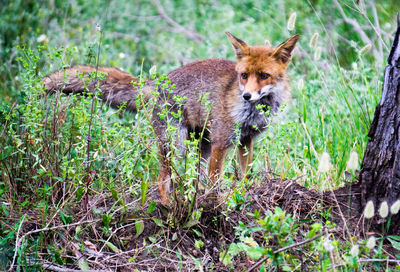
(246, 96)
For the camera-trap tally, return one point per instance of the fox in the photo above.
(244, 95)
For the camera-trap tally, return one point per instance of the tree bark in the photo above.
(380, 169)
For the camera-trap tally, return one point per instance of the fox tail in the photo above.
(116, 86)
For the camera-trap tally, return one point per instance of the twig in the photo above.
(341, 213)
(130, 251)
(115, 231)
(58, 268)
(135, 18)
(381, 43)
(191, 34)
(363, 260)
(283, 249)
(59, 227)
(119, 35)
(354, 23)
(17, 243)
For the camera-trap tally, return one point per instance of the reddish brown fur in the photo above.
(221, 79)
(117, 87)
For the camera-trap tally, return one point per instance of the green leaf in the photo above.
(153, 239)
(114, 194)
(83, 265)
(79, 193)
(227, 259)
(139, 228)
(151, 207)
(394, 240)
(106, 220)
(198, 244)
(394, 237)
(66, 219)
(255, 252)
(234, 250)
(190, 224)
(113, 247)
(144, 186)
(158, 222)
(286, 268)
(198, 233)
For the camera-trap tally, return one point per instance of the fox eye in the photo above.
(264, 76)
(243, 75)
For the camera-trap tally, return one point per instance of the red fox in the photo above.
(242, 95)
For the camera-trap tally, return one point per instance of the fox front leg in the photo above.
(216, 162)
(164, 175)
(246, 155)
(163, 181)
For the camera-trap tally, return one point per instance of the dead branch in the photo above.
(57, 268)
(377, 29)
(362, 260)
(17, 243)
(191, 34)
(354, 23)
(257, 264)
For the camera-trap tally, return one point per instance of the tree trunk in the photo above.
(380, 169)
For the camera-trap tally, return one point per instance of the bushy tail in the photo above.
(116, 88)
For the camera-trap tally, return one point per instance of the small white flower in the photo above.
(352, 163)
(354, 65)
(355, 251)
(384, 209)
(317, 53)
(229, 13)
(122, 55)
(324, 163)
(153, 70)
(267, 43)
(314, 40)
(371, 242)
(365, 49)
(394, 209)
(300, 84)
(369, 210)
(41, 38)
(98, 27)
(292, 21)
(328, 245)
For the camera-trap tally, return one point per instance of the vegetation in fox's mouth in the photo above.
(78, 177)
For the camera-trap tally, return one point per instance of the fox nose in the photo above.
(246, 96)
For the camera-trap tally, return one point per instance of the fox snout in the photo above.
(246, 96)
(252, 96)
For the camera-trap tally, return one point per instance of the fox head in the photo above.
(261, 68)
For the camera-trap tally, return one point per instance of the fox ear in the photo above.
(240, 46)
(283, 52)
